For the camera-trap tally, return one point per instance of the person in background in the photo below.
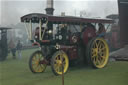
(12, 48)
(19, 48)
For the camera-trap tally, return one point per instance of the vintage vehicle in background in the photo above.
(114, 34)
(65, 39)
(3, 43)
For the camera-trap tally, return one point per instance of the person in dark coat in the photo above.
(19, 48)
(12, 48)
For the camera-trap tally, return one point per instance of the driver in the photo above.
(37, 33)
(101, 30)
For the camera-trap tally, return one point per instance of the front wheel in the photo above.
(59, 59)
(35, 62)
(97, 52)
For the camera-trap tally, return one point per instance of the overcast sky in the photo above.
(12, 10)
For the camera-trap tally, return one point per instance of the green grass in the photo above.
(16, 72)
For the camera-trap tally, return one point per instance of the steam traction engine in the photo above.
(66, 39)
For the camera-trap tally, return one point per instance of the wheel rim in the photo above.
(36, 65)
(58, 63)
(99, 53)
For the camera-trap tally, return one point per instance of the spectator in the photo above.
(12, 49)
(19, 47)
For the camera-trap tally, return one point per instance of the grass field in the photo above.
(16, 72)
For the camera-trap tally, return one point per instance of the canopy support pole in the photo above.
(30, 30)
(44, 29)
(27, 30)
(40, 29)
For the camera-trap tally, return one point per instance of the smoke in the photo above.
(12, 10)
(93, 8)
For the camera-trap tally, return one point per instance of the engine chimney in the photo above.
(49, 9)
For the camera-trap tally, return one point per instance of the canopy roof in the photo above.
(35, 17)
(4, 28)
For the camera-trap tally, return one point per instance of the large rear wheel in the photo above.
(97, 52)
(59, 59)
(35, 62)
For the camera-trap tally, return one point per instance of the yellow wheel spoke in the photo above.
(94, 60)
(100, 46)
(94, 55)
(102, 49)
(96, 45)
(60, 68)
(42, 66)
(103, 57)
(102, 53)
(36, 68)
(56, 66)
(57, 69)
(93, 50)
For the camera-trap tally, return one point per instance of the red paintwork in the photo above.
(35, 43)
(71, 51)
(88, 34)
(45, 41)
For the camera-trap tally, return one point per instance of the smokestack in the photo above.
(49, 9)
